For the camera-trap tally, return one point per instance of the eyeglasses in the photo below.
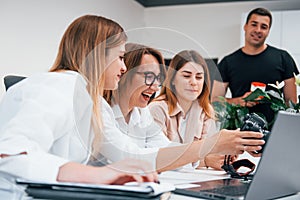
(150, 78)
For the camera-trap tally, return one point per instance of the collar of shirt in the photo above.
(139, 116)
(177, 110)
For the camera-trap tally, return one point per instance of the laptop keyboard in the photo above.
(231, 190)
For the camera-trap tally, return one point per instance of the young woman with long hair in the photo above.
(51, 123)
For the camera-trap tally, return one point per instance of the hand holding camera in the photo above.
(254, 122)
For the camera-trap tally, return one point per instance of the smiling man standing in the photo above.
(256, 61)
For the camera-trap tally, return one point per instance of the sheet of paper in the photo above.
(136, 187)
(183, 176)
(187, 185)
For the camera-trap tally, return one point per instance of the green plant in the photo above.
(231, 116)
(297, 105)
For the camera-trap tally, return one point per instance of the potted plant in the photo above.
(231, 116)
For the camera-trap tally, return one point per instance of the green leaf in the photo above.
(230, 116)
(256, 95)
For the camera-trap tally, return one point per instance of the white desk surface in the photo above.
(185, 177)
(180, 178)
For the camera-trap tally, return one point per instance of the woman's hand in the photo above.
(121, 172)
(232, 142)
(216, 161)
(129, 170)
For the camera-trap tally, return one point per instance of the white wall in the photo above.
(213, 29)
(31, 29)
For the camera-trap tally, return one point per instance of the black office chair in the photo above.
(10, 80)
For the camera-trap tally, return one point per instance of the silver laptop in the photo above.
(277, 174)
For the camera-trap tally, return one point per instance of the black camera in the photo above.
(253, 122)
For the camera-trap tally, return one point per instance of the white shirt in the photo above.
(116, 145)
(141, 131)
(40, 116)
(182, 125)
(142, 128)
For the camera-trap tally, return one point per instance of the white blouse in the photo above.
(40, 116)
(142, 128)
(116, 145)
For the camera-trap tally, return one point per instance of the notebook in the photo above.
(64, 190)
(277, 174)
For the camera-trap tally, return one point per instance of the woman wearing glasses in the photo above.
(130, 128)
(133, 94)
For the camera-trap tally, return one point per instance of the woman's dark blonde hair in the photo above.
(168, 89)
(84, 48)
(133, 58)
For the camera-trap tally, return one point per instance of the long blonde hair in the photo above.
(84, 48)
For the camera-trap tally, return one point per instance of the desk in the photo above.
(180, 178)
(183, 178)
(182, 197)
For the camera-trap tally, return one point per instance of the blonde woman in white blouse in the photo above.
(50, 123)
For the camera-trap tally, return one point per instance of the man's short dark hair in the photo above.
(260, 11)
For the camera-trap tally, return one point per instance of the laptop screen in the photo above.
(277, 174)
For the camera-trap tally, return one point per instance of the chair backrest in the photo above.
(10, 80)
